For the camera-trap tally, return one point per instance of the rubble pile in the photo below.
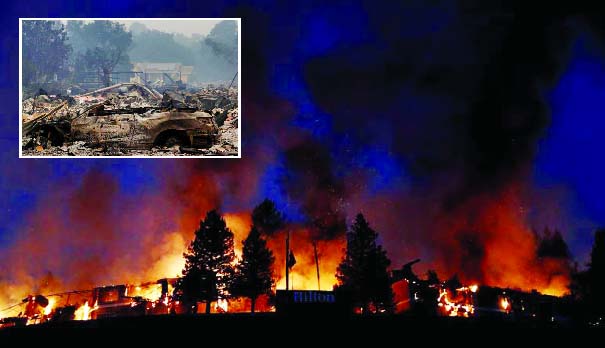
(132, 119)
(228, 141)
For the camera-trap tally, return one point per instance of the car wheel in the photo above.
(172, 141)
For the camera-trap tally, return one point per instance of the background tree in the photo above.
(254, 273)
(266, 218)
(589, 286)
(363, 270)
(551, 244)
(101, 46)
(432, 277)
(160, 47)
(218, 52)
(453, 283)
(45, 51)
(208, 273)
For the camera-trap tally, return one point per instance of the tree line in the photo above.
(56, 52)
(210, 272)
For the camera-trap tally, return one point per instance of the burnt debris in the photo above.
(132, 119)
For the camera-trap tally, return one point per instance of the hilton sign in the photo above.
(313, 297)
(311, 301)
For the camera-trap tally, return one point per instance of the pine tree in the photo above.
(208, 272)
(588, 286)
(267, 218)
(596, 274)
(363, 270)
(254, 273)
(432, 277)
(552, 245)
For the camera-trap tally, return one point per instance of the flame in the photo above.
(303, 276)
(168, 256)
(504, 304)
(51, 304)
(460, 305)
(222, 306)
(239, 224)
(152, 292)
(488, 239)
(83, 312)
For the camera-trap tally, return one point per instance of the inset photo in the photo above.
(120, 87)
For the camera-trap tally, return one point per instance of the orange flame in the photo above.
(460, 305)
(488, 240)
(83, 312)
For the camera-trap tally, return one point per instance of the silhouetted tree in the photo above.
(208, 273)
(254, 272)
(363, 270)
(552, 244)
(45, 51)
(453, 283)
(589, 286)
(266, 218)
(431, 277)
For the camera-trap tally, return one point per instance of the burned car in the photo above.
(145, 127)
(124, 120)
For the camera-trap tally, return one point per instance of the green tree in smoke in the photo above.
(100, 46)
(222, 39)
(159, 47)
(45, 51)
(218, 52)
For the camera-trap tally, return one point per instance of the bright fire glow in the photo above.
(460, 305)
(498, 226)
(222, 306)
(48, 309)
(152, 292)
(83, 313)
(303, 276)
(504, 304)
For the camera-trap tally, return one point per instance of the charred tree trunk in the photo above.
(106, 78)
(208, 306)
(253, 304)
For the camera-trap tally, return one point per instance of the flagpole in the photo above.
(316, 264)
(287, 255)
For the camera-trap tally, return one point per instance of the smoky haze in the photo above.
(209, 46)
(184, 27)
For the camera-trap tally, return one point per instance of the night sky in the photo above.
(390, 109)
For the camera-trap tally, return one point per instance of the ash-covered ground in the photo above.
(131, 119)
